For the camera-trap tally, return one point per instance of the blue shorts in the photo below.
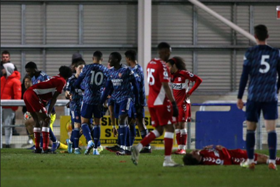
(132, 113)
(75, 116)
(88, 111)
(110, 102)
(122, 108)
(269, 109)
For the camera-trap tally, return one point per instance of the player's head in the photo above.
(31, 68)
(65, 72)
(79, 66)
(164, 51)
(175, 64)
(74, 63)
(27, 81)
(261, 32)
(5, 56)
(75, 57)
(97, 57)
(130, 57)
(115, 59)
(192, 158)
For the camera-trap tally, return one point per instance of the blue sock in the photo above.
(250, 143)
(41, 141)
(96, 138)
(92, 132)
(75, 134)
(72, 136)
(52, 136)
(272, 144)
(118, 140)
(86, 131)
(128, 142)
(132, 133)
(122, 133)
(144, 134)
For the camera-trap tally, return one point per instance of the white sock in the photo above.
(167, 157)
(139, 147)
(271, 161)
(250, 161)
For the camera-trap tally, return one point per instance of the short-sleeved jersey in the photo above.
(157, 72)
(41, 78)
(215, 157)
(77, 94)
(263, 61)
(121, 80)
(139, 77)
(93, 77)
(46, 89)
(180, 84)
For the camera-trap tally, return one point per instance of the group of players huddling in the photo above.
(121, 88)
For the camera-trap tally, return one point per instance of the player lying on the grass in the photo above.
(181, 79)
(36, 99)
(38, 76)
(220, 155)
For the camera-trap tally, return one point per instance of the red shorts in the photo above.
(188, 112)
(162, 115)
(32, 102)
(239, 155)
(184, 112)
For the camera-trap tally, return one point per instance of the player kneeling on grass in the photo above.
(36, 98)
(220, 155)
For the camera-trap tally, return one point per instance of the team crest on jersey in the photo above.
(120, 75)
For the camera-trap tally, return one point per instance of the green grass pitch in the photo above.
(21, 168)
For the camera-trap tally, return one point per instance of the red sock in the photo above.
(37, 136)
(149, 138)
(184, 139)
(277, 161)
(178, 137)
(168, 143)
(46, 134)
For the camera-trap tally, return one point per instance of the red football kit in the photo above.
(159, 106)
(37, 96)
(180, 86)
(224, 156)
